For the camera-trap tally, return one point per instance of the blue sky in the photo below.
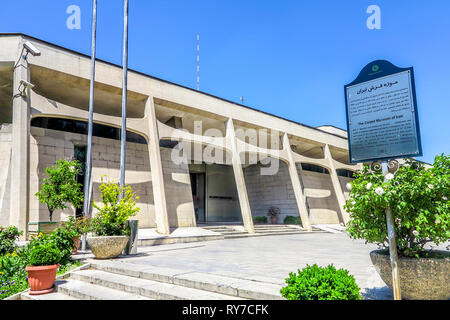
(289, 58)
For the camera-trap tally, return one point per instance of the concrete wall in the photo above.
(320, 197)
(47, 146)
(5, 173)
(177, 185)
(276, 190)
(265, 191)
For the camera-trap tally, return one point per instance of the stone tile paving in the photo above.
(271, 258)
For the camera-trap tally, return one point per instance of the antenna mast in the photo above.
(198, 61)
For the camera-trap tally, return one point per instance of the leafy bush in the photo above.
(63, 239)
(418, 199)
(76, 227)
(12, 265)
(13, 286)
(43, 251)
(112, 216)
(61, 187)
(13, 276)
(8, 236)
(319, 283)
(260, 219)
(292, 220)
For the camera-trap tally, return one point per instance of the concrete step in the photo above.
(275, 227)
(279, 231)
(87, 291)
(147, 288)
(212, 283)
(235, 236)
(48, 296)
(272, 233)
(233, 232)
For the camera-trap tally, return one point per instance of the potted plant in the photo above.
(110, 226)
(418, 199)
(76, 227)
(43, 262)
(61, 189)
(273, 213)
(259, 219)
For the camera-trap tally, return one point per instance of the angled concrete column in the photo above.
(240, 180)
(296, 185)
(20, 166)
(159, 195)
(336, 185)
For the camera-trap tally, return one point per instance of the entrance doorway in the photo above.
(198, 196)
(214, 193)
(80, 155)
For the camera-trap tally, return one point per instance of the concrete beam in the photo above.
(159, 194)
(336, 185)
(296, 185)
(240, 179)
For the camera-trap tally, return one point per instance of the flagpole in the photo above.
(123, 136)
(88, 168)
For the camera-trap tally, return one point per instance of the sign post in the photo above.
(382, 125)
(392, 244)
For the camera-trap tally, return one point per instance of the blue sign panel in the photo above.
(382, 120)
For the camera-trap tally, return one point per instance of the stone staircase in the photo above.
(117, 280)
(236, 231)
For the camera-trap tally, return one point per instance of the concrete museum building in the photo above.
(192, 158)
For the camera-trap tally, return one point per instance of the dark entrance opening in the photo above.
(80, 155)
(198, 195)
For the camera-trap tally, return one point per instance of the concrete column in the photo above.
(20, 161)
(159, 195)
(240, 180)
(296, 185)
(336, 185)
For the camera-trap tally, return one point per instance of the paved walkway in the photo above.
(269, 259)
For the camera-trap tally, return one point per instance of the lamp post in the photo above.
(88, 168)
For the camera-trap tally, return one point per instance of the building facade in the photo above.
(191, 157)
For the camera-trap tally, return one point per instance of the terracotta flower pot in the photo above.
(76, 242)
(41, 278)
(273, 219)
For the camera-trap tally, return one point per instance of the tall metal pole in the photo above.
(198, 62)
(392, 244)
(123, 136)
(88, 168)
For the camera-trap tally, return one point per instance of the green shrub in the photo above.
(43, 251)
(418, 199)
(12, 286)
(260, 219)
(13, 276)
(76, 227)
(113, 215)
(8, 236)
(292, 220)
(63, 239)
(319, 283)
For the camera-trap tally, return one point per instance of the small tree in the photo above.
(61, 188)
(418, 199)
